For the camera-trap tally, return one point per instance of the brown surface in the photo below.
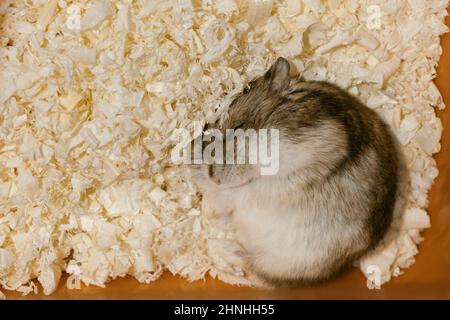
(428, 278)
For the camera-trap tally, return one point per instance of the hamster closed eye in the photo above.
(331, 199)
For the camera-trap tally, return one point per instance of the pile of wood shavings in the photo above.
(86, 118)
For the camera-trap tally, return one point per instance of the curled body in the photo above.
(333, 197)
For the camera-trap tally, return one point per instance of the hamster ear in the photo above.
(278, 75)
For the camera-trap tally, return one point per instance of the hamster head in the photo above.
(248, 113)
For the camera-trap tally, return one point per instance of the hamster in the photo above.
(333, 197)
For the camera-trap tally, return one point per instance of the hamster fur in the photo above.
(333, 197)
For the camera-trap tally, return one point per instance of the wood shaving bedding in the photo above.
(91, 92)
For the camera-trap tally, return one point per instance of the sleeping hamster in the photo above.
(333, 197)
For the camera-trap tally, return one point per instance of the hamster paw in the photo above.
(221, 222)
(259, 283)
(233, 253)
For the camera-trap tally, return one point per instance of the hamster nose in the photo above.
(211, 175)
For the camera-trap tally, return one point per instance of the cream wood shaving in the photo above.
(86, 116)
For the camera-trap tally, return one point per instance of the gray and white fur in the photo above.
(333, 198)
